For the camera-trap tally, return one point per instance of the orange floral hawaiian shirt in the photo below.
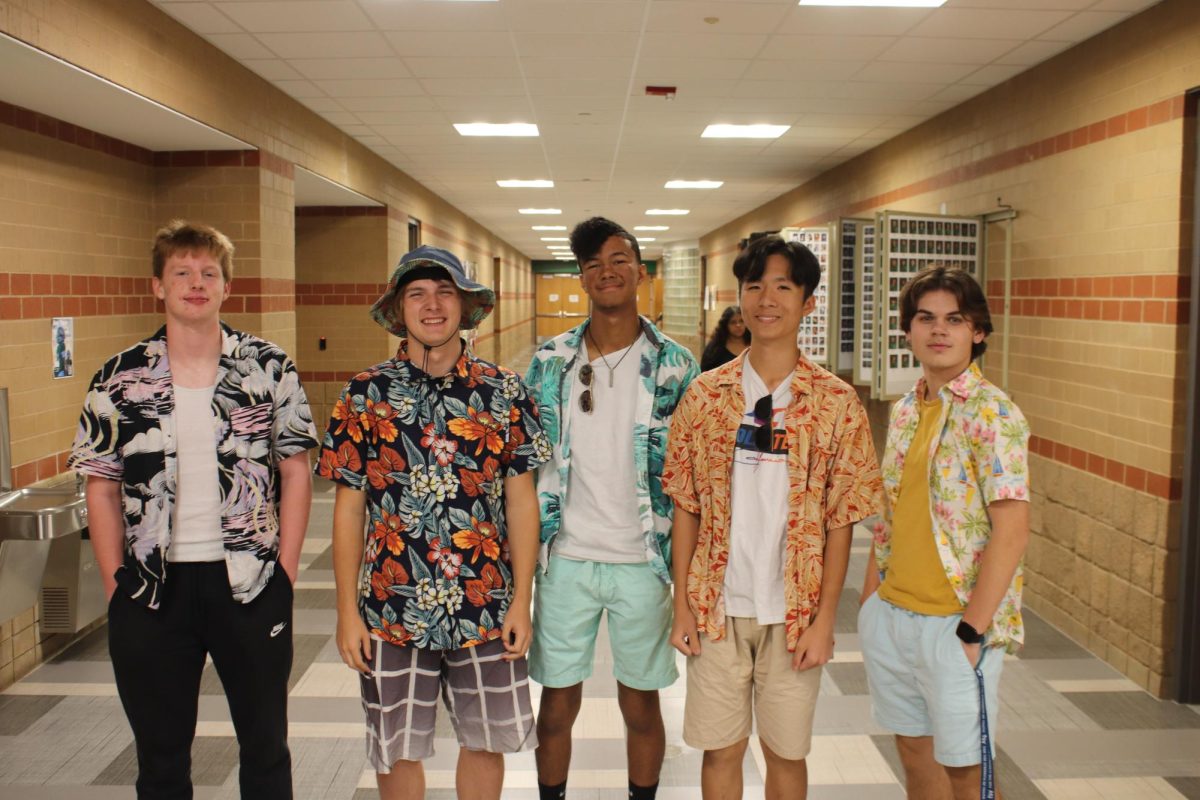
(833, 479)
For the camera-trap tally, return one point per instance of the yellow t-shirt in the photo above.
(915, 578)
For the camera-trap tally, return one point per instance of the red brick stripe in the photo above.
(1120, 298)
(1152, 483)
(39, 470)
(33, 122)
(341, 211)
(1163, 111)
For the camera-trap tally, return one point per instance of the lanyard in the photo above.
(987, 779)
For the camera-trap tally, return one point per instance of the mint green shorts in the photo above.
(567, 603)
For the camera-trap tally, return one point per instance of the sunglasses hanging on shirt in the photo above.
(764, 411)
(585, 377)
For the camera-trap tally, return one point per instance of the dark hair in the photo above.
(972, 303)
(720, 334)
(803, 267)
(180, 236)
(589, 237)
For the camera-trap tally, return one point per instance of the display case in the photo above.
(864, 294)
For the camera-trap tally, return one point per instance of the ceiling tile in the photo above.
(240, 45)
(437, 44)
(1034, 52)
(981, 23)
(273, 69)
(949, 51)
(202, 18)
(769, 70)
(826, 48)
(688, 16)
(437, 87)
(556, 45)
(279, 16)
(327, 45)
(463, 67)
(386, 104)
(993, 74)
(597, 19)
(370, 87)
(1084, 26)
(666, 70)
(341, 68)
(896, 72)
(818, 21)
(687, 45)
(390, 15)
(299, 89)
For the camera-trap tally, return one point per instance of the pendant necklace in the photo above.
(611, 367)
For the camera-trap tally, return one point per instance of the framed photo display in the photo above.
(864, 294)
(814, 335)
(908, 243)
(849, 231)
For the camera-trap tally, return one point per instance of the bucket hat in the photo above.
(478, 300)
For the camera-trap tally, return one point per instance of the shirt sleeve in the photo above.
(678, 479)
(96, 450)
(343, 451)
(854, 491)
(1000, 441)
(292, 428)
(526, 446)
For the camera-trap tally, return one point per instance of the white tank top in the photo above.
(196, 533)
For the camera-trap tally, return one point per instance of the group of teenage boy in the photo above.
(614, 471)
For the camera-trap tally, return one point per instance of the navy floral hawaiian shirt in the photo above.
(432, 455)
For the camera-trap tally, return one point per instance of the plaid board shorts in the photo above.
(487, 697)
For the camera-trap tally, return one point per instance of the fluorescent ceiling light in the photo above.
(564, 258)
(666, 212)
(646, 239)
(652, 228)
(744, 131)
(549, 227)
(694, 184)
(518, 184)
(555, 239)
(496, 129)
(557, 247)
(877, 3)
(541, 210)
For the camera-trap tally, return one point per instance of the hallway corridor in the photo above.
(1071, 727)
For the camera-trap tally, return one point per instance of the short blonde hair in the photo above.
(179, 236)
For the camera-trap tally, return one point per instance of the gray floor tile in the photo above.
(92, 647)
(1188, 787)
(324, 560)
(213, 758)
(18, 712)
(1042, 640)
(1081, 754)
(1133, 711)
(850, 678)
(315, 598)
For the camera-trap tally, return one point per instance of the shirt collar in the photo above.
(961, 387)
(461, 369)
(731, 373)
(575, 339)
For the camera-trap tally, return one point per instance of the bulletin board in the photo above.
(814, 335)
(864, 294)
(907, 244)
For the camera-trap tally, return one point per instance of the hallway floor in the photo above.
(1070, 726)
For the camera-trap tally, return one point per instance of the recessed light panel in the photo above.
(693, 184)
(652, 228)
(877, 3)
(541, 210)
(496, 129)
(722, 131)
(667, 212)
(549, 227)
(519, 184)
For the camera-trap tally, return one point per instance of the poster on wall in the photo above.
(62, 345)
(908, 244)
(864, 292)
(813, 337)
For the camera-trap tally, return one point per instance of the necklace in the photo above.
(610, 367)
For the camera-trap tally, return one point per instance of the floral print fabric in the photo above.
(833, 481)
(665, 371)
(432, 455)
(981, 456)
(127, 433)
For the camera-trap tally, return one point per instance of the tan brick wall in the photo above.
(1088, 148)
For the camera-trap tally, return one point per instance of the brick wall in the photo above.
(1088, 148)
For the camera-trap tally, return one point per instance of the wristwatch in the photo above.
(968, 634)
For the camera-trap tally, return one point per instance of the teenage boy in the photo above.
(194, 443)
(770, 465)
(606, 391)
(435, 534)
(942, 595)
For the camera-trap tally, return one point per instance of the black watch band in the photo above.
(968, 634)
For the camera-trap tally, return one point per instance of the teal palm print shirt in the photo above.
(665, 371)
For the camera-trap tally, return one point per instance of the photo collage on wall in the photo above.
(913, 242)
(864, 347)
(845, 289)
(814, 329)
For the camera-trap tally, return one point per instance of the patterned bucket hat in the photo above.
(478, 300)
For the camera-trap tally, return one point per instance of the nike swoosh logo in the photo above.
(278, 629)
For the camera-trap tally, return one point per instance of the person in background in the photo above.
(194, 443)
(729, 339)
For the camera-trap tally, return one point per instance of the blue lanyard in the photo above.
(987, 778)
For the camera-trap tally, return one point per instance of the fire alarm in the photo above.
(667, 92)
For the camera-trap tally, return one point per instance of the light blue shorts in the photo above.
(921, 682)
(567, 602)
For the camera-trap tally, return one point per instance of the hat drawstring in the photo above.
(425, 358)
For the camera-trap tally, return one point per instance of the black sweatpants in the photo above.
(158, 657)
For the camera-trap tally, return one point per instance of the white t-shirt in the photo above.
(600, 518)
(757, 535)
(196, 534)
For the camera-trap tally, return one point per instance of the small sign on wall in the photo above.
(553, 298)
(572, 298)
(62, 344)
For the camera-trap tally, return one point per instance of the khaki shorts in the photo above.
(751, 663)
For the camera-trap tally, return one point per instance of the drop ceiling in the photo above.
(396, 75)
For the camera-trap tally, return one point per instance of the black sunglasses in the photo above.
(585, 399)
(763, 412)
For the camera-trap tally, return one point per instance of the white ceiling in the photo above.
(396, 74)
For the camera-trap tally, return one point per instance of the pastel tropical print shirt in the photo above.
(127, 433)
(833, 481)
(665, 371)
(981, 456)
(432, 455)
